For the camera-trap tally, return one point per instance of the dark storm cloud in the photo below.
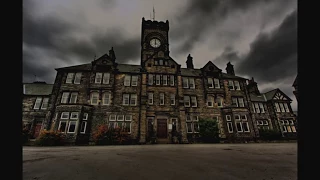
(228, 55)
(202, 17)
(54, 36)
(273, 56)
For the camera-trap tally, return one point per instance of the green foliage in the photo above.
(50, 138)
(269, 135)
(209, 131)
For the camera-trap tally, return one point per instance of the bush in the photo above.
(111, 136)
(269, 135)
(50, 138)
(209, 131)
(25, 135)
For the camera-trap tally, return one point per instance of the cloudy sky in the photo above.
(258, 36)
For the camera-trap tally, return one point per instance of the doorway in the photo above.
(162, 129)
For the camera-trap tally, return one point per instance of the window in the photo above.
(286, 107)
(172, 99)
(166, 63)
(161, 98)
(83, 127)
(186, 100)
(237, 117)
(126, 127)
(134, 81)
(157, 79)
(210, 83)
(65, 97)
(234, 102)
(150, 98)
(281, 122)
(160, 62)
(257, 107)
(112, 117)
(85, 116)
(74, 115)
(128, 118)
(126, 98)
(69, 78)
(45, 103)
(172, 80)
(120, 118)
(127, 80)
(72, 126)
(192, 124)
(244, 117)
(150, 79)
(230, 128)
(191, 83)
(185, 83)
(288, 128)
(293, 128)
(37, 104)
(291, 122)
(261, 108)
(94, 98)
(231, 87)
(77, 78)
(216, 83)
(98, 78)
(155, 62)
(228, 117)
(265, 122)
(62, 126)
(164, 80)
(239, 126)
(277, 107)
(284, 128)
(219, 101)
(193, 101)
(237, 85)
(133, 99)
(64, 115)
(210, 101)
(287, 122)
(241, 103)
(245, 126)
(106, 98)
(106, 78)
(281, 107)
(73, 98)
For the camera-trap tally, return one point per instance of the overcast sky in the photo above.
(259, 37)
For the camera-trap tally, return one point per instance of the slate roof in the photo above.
(254, 97)
(295, 83)
(37, 89)
(269, 95)
(190, 72)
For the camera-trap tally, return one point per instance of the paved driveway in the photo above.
(192, 161)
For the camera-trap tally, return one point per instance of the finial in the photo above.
(154, 14)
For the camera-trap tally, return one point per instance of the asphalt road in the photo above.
(275, 161)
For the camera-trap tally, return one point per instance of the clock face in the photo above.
(155, 42)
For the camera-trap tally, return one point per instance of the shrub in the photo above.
(269, 135)
(104, 135)
(25, 135)
(209, 131)
(50, 138)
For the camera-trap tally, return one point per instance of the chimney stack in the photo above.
(230, 69)
(189, 62)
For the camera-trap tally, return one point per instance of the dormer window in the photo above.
(161, 62)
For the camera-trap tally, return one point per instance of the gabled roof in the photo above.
(270, 94)
(37, 89)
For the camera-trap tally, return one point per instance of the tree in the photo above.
(208, 130)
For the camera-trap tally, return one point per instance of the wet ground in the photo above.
(191, 161)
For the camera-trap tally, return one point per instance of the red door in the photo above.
(162, 128)
(37, 129)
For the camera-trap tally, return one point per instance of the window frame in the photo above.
(76, 97)
(127, 80)
(161, 99)
(134, 80)
(91, 97)
(73, 113)
(46, 99)
(77, 76)
(96, 78)
(62, 113)
(106, 78)
(38, 102)
(150, 94)
(172, 98)
(75, 127)
(230, 123)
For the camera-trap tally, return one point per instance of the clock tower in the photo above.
(154, 40)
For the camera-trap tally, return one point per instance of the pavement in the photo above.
(256, 161)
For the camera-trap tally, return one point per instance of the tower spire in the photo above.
(154, 14)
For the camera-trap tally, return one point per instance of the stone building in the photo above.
(35, 106)
(160, 94)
